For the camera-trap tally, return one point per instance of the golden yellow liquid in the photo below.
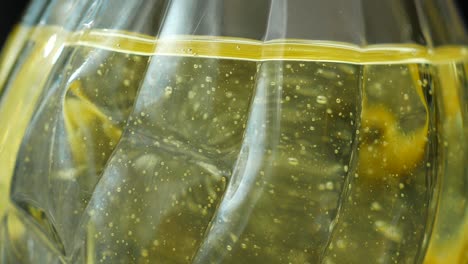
(129, 149)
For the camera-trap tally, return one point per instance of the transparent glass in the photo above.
(210, 131)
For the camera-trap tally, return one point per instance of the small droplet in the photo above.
(424, 82)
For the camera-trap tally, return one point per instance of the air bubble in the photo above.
(293, 161)
(168, 90)
(191, 94)
(375, 206)
(321, 99)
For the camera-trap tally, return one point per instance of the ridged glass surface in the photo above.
(269, 131)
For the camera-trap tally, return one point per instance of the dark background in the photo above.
(11, 13)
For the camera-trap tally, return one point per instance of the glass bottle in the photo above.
(209, 131)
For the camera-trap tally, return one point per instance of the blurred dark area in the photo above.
(463, 7)
(10, 14)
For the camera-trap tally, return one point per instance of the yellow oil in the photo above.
(205, 149)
